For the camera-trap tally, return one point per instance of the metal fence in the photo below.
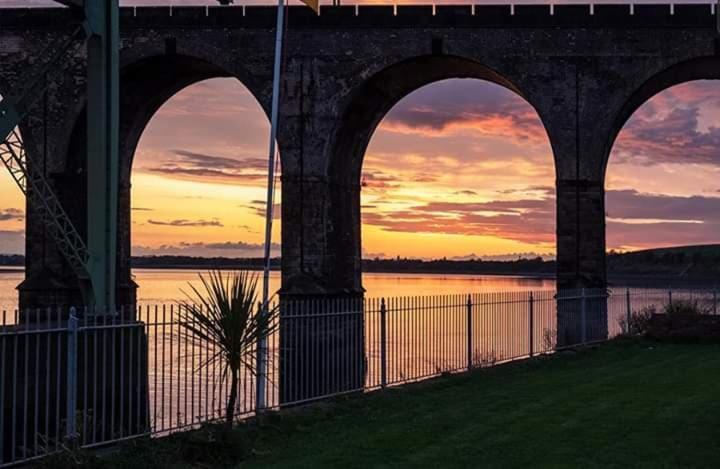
(87, 378)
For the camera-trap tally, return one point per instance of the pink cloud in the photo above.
(451, 106)
(668, 128)
(526, 220)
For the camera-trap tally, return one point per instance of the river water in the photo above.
(164, 286)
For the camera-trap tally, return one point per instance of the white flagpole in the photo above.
(261, 379)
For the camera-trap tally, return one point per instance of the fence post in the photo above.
(71, 398)
(583, 317)
(715, 301)
(629, 310)
(383, 343)
(531, 325)
(261, 364)
(469, 333)
(670, 297)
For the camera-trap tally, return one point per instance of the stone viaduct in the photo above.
(584, 69)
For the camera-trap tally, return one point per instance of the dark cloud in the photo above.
(186, 223)
(631, 204)
(7, 214)
(637, 220)
(375, 180)
(525, 220)
(213, 161)
(482, 106)
(206, 173)
(201, 166)
(259, 206)
(673, 138)
(466, 192)
(200, 249)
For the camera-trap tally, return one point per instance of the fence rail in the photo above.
(88, 378)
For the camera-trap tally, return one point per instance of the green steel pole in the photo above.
(102, 148)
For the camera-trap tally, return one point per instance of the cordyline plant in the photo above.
(225, 314)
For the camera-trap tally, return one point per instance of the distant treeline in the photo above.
(14, 260)
(520, 266)
(185, 262)
(682, 262)
(685, 261)
(529, 266)
(536, 266)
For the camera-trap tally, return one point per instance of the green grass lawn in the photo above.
(625, 404)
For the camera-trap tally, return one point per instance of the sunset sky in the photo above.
(459, 168)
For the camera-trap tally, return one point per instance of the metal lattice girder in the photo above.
(23, 96)
(33, 184)
(29, 177)
(93, 261)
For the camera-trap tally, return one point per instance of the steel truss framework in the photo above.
(92, 262)
(33, 184)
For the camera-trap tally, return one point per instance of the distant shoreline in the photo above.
(697, 265)
(372, 271)
(9, 269)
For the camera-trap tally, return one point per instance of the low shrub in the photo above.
(484, 359)
(638, 322)
(685, 308)
(690, 328)
(549, 340)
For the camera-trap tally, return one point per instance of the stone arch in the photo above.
(701, 68)
(149, 83)
(362, 114)
(377, 95)
(146, 84)
(678, 73)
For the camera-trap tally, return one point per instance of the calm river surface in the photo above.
(161, 286)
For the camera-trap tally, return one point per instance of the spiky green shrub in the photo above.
(225, 314)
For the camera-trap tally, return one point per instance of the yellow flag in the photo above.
(314, 4)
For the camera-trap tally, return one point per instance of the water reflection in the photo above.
(159, 286)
